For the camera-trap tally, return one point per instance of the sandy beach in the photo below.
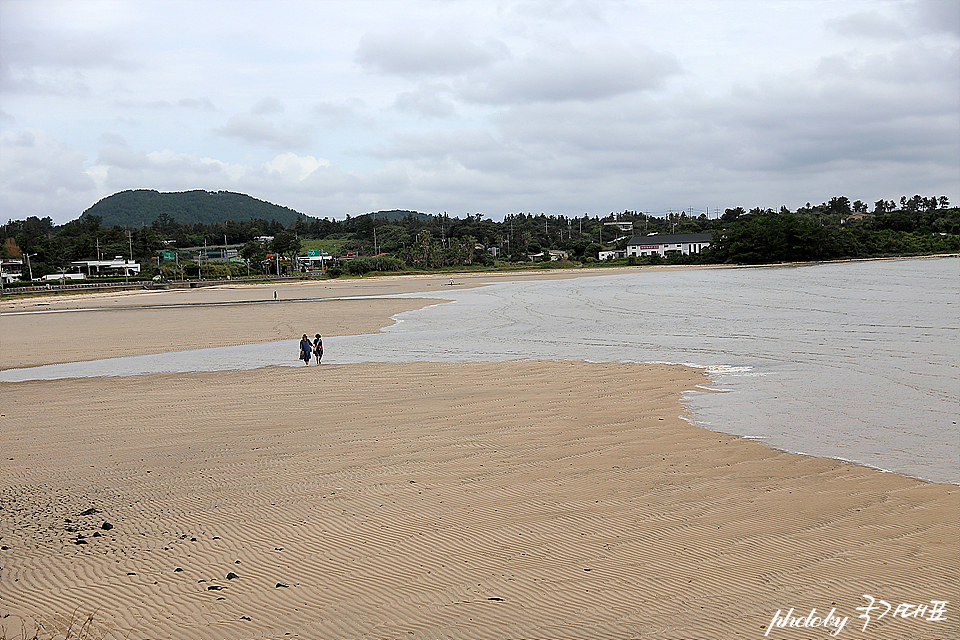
(549, 499)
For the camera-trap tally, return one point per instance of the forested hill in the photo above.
(143, 206)
(398, 214)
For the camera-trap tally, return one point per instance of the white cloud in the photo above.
(293, 167)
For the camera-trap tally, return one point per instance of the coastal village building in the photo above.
(119, 266)
(549, 254)
(314, 260)
(11, 269)
(685, 243)
(610, 255)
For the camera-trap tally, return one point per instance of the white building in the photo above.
(11, 269)
(119, 266)
(50, 277)
(549, 254)
(610, 255)
(315, 260)
(685, 243)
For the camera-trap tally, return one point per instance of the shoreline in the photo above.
(546, 498)
(443, 277)
(234, 316)
(254, 313)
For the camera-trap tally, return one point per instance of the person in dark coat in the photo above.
(306, 350)
(318, 347)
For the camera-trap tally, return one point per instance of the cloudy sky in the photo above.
(565, 107)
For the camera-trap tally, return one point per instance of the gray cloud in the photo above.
(31, 162)
(939, 16)
(915, 18)
(203, 104)
(868, 24)
(255, 129)
(414, 55)
(267, 106)
(588, 75)
(348, 113)
(30, 81)
(427, 101)
(66, 51)
(563, 107)
(118, 156)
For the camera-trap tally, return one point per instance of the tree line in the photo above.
(835, 229)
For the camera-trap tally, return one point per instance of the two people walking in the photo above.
(308, 349)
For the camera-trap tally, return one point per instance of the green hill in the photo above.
(142, 206)
(398, 214)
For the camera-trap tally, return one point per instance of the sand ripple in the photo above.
(496, 500)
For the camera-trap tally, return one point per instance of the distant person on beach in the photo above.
(306, 349)
(318, 347)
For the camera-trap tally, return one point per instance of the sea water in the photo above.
(857, 361)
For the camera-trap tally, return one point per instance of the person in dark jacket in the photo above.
(318, 347)
(306, 350)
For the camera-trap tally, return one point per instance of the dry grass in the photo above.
(72, 627)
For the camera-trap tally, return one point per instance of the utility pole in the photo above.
(126, 267)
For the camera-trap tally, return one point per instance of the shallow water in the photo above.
(857, 361)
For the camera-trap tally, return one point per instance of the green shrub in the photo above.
(360, 266)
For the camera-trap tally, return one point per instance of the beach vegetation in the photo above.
(66, 627)
(404, 241)
(364, 265)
